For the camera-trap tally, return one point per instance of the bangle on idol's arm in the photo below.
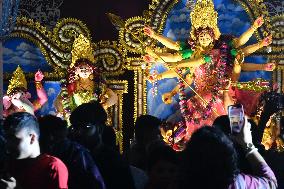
(253, 27)
(38, 85)
(225, 90)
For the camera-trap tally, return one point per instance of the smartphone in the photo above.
(179, 134)
(236, 117)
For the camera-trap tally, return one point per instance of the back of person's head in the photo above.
(146, 128)
(158, 152)
(109, 137)
(209, 160)
(52, 129)
(223, 123)
(88, 121)
(52, 125)
(162, 163)
(22, 132)
(21, 120)
(89, 113)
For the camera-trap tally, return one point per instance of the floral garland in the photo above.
(67, 102)
(65, 98)
(216, 70)
(183, 100)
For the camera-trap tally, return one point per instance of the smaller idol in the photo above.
(84, 82)
(17, 97)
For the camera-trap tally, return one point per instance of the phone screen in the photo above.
(236, 116)
(179, 134)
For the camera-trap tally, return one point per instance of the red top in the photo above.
(45, 172)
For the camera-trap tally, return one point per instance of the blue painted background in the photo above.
(18, 51)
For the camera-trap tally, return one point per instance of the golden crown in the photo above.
(82, 48)
(204, 15)
(18, 81)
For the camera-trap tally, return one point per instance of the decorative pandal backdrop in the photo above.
(56, 46)
(167, 17)
(171, 18)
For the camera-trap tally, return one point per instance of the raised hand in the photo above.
(9, 183)
(39, 76)
(244, 137)
(149, 31)
(270, 66)
(267, 41)
(258, 22)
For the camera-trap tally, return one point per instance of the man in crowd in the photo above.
(27, 168)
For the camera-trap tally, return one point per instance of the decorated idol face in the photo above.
(84, 71)
(18, 97)
(205, 39)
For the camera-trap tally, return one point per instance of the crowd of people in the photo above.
(77, 149)
(44, 152)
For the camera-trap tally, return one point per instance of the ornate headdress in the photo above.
(204, 15)
(82, 48)
(18, 81)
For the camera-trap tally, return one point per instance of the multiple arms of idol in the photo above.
(176, 61)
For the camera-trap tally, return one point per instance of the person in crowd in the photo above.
(83, 171)
(223, 123)
(271, 127)
(162, 164)
(87, 124)
(140, 177)
(210, 161)
(109, 137)
(273, 138)
(27, 168)
(146, 131)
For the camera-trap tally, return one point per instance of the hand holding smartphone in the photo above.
(236, 117)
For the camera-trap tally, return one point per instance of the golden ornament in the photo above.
(204, 15)
(271, 134)
(17, 82)
(82, 48)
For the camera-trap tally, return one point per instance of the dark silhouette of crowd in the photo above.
(44, 152)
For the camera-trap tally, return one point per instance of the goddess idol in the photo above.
(84, 82)
(210, 61)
